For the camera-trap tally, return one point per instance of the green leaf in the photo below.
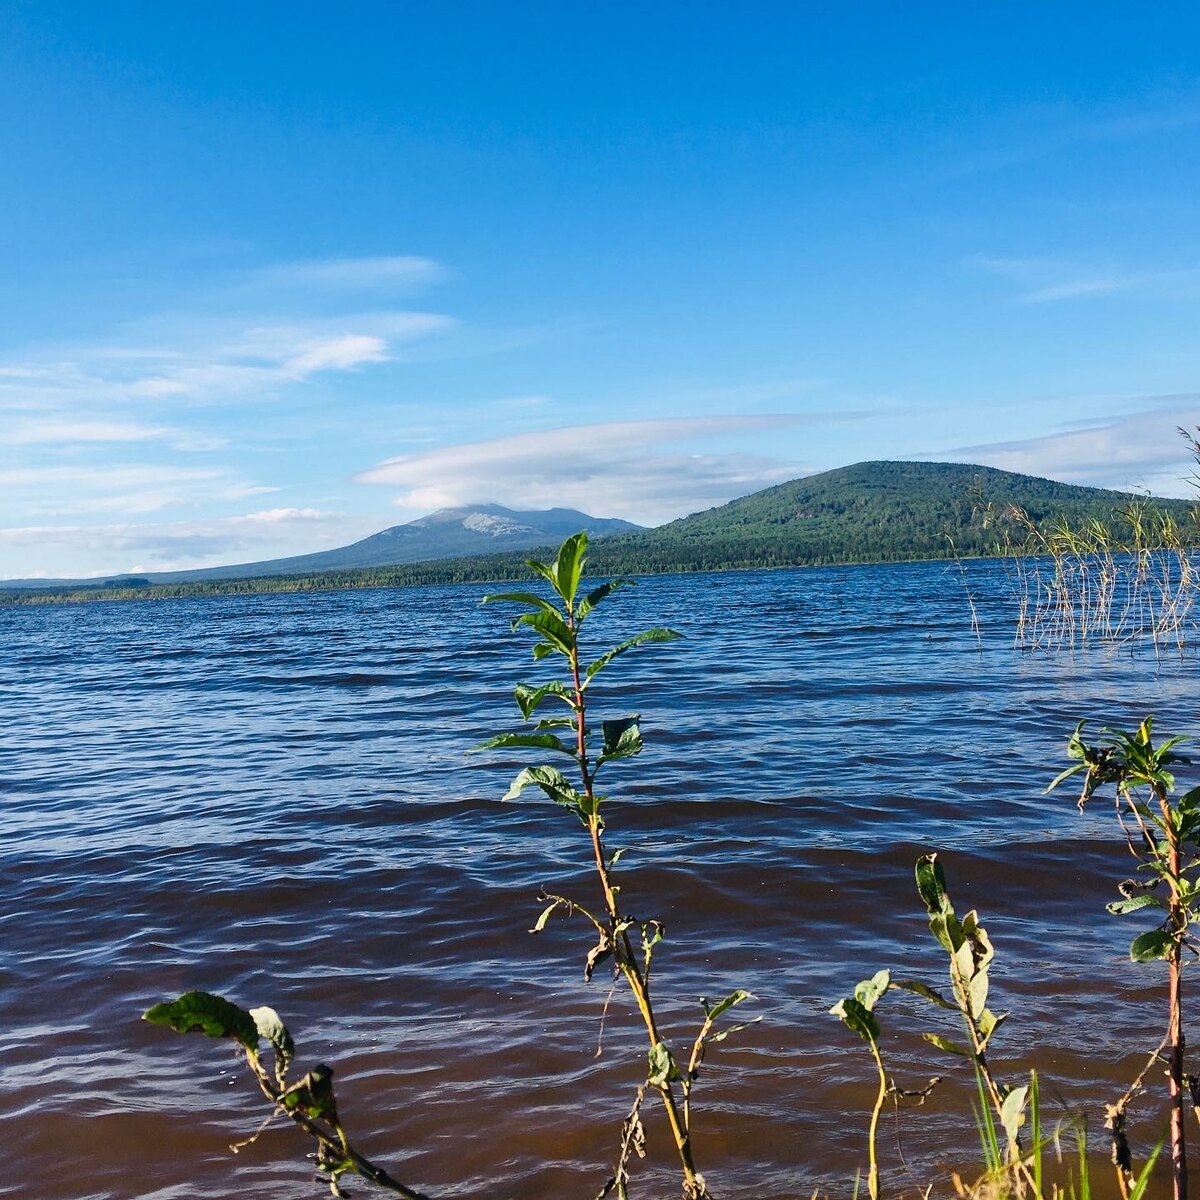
(943, 1043)
(554, 783)
(722, 1034)
(555, 723)
(662, 1066)
(528, 598)
(858, 1018)
(552, 628)
(1012, 1112)
(202, 1012)
(1119, 908)
(1146, 947)
(931, 884)
(724, 1005)
(540, 923)
(540, 568)
(946, 929)
(537, 741)
(923, 989)
(313, 1095)
(569, 566)
(530, 698)
(977, 993)
(988, 1023)
(869, 992)
(622, 738)
(648, 635)
(1062, 776)
(270, 1026)
(598, 594)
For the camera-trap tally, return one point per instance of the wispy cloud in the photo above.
(646, 471)
(354, 273)
(1139, 450)
(1048, 280)
(1039, 131)
(61, 432)
(62, 550)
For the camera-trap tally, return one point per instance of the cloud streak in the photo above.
(56, 550)
(1050, 280)
(1138, 450)
(645, 471)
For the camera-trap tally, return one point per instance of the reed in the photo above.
(1135, 577)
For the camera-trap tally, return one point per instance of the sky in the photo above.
(277, 276)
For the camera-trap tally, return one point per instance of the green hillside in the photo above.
(869, 512)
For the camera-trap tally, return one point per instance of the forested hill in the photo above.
(869, 512)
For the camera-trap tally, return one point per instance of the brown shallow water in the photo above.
(268, 797)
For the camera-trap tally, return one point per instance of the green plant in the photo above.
(1162, 831)
(970, 955)
(308, 1101)
(629, 942)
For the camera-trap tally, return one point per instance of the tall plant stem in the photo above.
(1177, 921)
(873, 1132)
(991, 1087)
(639, 984)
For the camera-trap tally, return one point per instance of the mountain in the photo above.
(447, 533)
(869, 512)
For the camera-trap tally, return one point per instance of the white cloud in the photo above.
(103, 477)
(641, 470)
(1072, 290)
(354, 272)
(337, 354)
(1049, 280)
(77, 550)
(277, 516)
(76, 489)
(1137, 450)
(58, 431)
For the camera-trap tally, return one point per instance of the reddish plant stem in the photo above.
(639, 985)
(1175, 1037)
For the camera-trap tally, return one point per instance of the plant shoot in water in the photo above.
(627, 941)
(1162, 832)
(308, 1101)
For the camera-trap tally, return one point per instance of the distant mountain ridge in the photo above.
(882, 511)
(447, 533)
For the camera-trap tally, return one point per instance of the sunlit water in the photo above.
(270, 797)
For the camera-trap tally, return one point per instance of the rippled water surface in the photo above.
(269, 797)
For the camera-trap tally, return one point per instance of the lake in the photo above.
(270, 797)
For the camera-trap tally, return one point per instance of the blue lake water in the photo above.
(270, 797)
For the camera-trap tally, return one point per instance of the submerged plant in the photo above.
(628, 941)
(308, 1101)
(1162, 831)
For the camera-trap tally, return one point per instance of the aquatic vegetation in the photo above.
(1131, 575)
(1019, 1155)
(308, 1101)
(625, 942)
(1162, 832)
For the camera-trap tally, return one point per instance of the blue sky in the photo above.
(278, 276)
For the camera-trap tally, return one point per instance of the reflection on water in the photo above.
(268, 797)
